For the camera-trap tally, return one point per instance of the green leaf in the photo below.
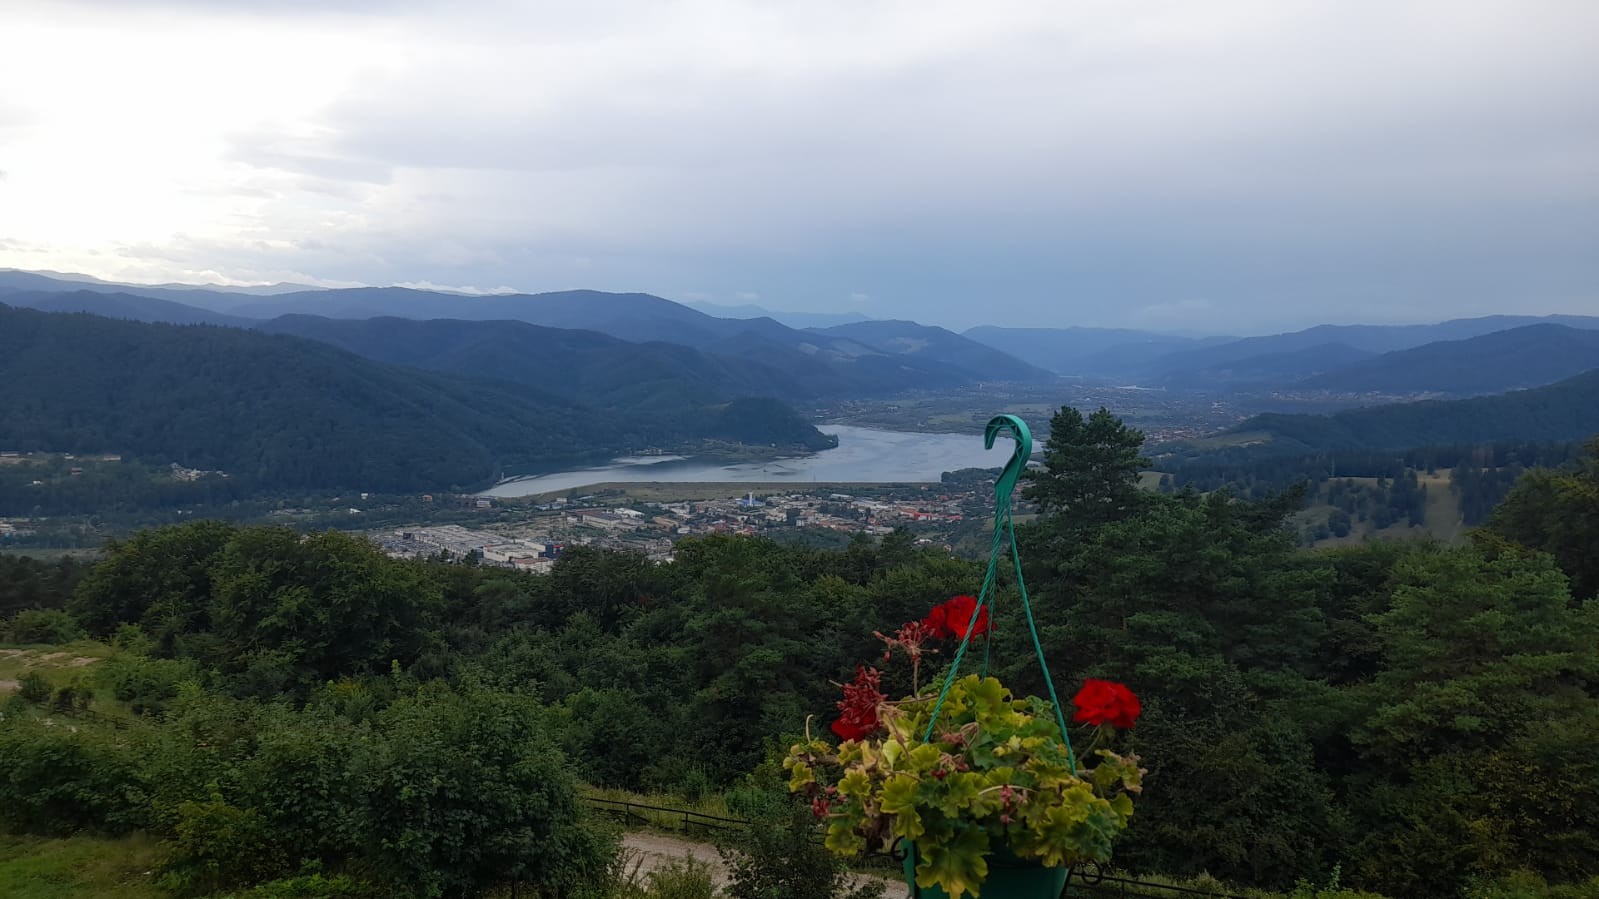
(959, 867)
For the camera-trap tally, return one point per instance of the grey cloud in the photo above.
(1236, 165)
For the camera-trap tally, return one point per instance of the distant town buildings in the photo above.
(651, 529)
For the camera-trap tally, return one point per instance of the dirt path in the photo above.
(652, 850)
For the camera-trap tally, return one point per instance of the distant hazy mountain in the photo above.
(824, 363)
(215, 299)
(792, 319)
(122, 305)
(1086, 351)
(67, 281)
(1529, 356)
(938, 346)
(1270, 368)
(1370, 338)
(603, 370)
(1568, 410)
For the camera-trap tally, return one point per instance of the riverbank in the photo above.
(691, 491)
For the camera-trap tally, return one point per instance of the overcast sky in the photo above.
(1224, 166)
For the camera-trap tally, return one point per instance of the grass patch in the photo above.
(51, 554)
(79, 868)
(59, 664)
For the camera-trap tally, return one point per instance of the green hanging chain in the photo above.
(1004, 529)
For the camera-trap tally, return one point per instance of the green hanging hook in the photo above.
(1005, 534)
(1006, 485)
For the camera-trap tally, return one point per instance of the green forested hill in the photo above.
(280, 411)
(1568, 410)
(604, 370)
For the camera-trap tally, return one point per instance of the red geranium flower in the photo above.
(858, 709)
(951, 618)
(1106, 702)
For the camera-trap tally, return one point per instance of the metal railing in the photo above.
(1092, 880)
(688, 821)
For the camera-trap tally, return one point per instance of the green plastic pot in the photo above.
(1009, 877)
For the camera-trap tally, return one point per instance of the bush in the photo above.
(1527, 885)
(311, 886)
(42, 626)
(779, 857)
(33, 688)
(71, 698)
(463, 793)
(682, 878)
(54, 781)
(147, 685)
(218, 846)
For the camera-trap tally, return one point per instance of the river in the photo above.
(863, 456)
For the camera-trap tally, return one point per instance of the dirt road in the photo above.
(652, 850)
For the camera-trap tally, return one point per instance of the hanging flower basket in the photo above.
(994, 803)
(981, 791)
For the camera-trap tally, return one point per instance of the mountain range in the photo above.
(817, 364)
(607, 371)
(286, 412)
(1461, 357)
(1528, 356)
(792, 319)
(1566, 410)
(1103, 352)
(640, 370)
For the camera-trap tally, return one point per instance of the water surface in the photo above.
(863, 455)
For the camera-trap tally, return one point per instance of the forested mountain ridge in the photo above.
(1270, 368)
(1208, 361)
(939, 346)
(810, 364)
(280, 411)
(1568, 410)
(286, 412)
(1528, 356)
(830, 362)
(606, 371)
(1370, 338)
(122, 305)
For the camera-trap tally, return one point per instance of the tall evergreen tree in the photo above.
(1090, 473)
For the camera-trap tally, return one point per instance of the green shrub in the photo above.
(218, 846)
(779, 857)
(55, 781)
(310, 886)
(463, 792)
(42, 626)
(147, 685)
(71, 698)
(681, 878)
(34, 688)
(1527, 885)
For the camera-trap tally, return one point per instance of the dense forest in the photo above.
(278, 412)
(1479, 475)
(1408, 719)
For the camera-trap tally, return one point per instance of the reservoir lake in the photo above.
(863, 455)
